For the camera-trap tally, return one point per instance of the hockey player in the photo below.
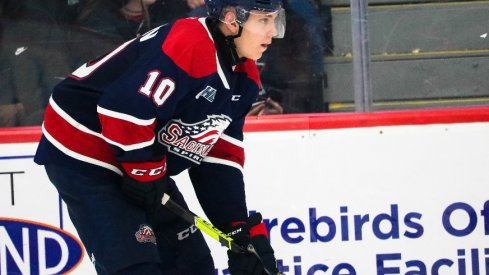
(120, 126)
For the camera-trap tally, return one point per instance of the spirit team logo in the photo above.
(145, 234)
(193, 141)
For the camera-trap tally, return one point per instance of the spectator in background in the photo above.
(197, 8)
(113, 19)
(102, 25)
(32, 59)
(266, 107)
(9, 110)
(45, 40)
(301, 80)
(308, 11)
(168, 10)
(269, 102)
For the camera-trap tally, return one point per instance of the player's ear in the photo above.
(230, 22)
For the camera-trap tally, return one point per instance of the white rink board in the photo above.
(378, 200)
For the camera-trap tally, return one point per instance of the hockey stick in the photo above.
(208, 228)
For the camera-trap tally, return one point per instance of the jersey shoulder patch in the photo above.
(189, 45)
(251, 69)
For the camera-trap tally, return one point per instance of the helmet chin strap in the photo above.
(232, 46)
(226, 43)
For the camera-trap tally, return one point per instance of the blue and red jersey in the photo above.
(161, 103)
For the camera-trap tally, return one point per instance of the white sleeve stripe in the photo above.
(126, 117)
(72, 121)
(132, 146)
(78, 156)
(84, 129)
(232, 140)
(223, 162)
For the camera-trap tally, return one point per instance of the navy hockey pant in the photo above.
(118, 234)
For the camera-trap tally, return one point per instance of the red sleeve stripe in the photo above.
(227, 151)
(75, 140)
(126, 132)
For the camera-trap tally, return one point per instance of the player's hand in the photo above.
(144, 188)
(267, 107)
(253, 232)
(273, 107)
(145, 194)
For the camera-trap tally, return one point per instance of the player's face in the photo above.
(257, 34)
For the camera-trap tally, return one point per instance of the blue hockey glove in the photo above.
(253, 232)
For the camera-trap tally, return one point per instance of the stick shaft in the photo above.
(201, 224)
(208, 228)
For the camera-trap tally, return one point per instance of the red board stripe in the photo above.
(315, 121)
(372, 119)
(20, 134)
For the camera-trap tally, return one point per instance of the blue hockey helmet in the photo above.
(243, 8)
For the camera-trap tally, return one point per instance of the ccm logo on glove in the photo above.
(232, 233)
(151, 172)
(145, 171)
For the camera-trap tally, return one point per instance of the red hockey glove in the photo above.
(253, 232)
(145, 183)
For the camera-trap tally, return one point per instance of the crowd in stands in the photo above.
(41, 42)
